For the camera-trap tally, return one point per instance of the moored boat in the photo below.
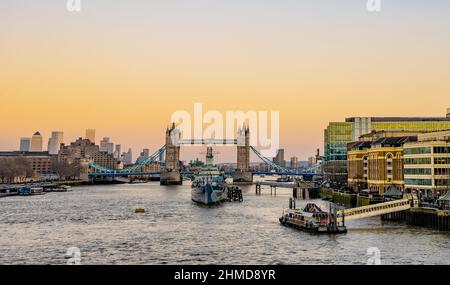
(24, 191)
(209, 186)
(312, 219)
(37, 191)
(66, 188)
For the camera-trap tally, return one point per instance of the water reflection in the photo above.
(100, 220)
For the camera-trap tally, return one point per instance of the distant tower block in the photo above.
(171, 174)
(90, 135)
(243, 174)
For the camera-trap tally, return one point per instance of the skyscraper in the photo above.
(127, 157)
(90, 135)
(54, 143)
(117, 151)
(144, 155)
(25, 144)
(106, 145)
(36, 142)
(294, 162)
(279, 159)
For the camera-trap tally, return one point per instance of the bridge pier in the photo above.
(258, 189)
(243, 178)
(171, 178)
(273, 190)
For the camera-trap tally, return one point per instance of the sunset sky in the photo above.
(123, 67)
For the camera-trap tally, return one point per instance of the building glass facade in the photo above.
(338, 134)
(427, 164)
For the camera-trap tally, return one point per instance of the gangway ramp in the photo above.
(374, 210)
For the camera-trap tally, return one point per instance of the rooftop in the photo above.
(381, 142)
(23, 153)
(402, 119)
(393, 192)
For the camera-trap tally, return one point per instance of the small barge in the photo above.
(312, 219)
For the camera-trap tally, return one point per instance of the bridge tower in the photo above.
(171, 174)
(243, 174)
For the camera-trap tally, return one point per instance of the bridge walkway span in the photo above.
(374, 210)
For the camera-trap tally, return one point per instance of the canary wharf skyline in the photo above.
(124, 68)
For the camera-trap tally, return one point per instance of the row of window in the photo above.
(421, 160)
(442, 171)
(441, 149)
(442, 182)
(442, 160)
(427, 160)
(428, 182)
(417, 171)
(417, 150)
(426, 171)
(422, 182)
(424, 150)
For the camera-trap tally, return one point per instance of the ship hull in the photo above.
(318, 229)
(207, 195)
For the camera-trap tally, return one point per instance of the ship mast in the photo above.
(209, 156)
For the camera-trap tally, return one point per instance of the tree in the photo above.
(15, 168)
(65, 170)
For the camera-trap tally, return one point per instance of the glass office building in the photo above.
(338, 134)
(427, 164)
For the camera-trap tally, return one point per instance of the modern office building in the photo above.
(106, 145)
(54, 143)
(25, 144)
(279, 159)
(294, 162)
(127, 157)
(90, 135)
(375, 162)
(36, 142)
(427, 164)
(143, 156)
(338, 134)
(117, 151)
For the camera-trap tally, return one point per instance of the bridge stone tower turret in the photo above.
(243, 174)
(171, 174)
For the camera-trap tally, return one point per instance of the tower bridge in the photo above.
(171, 174)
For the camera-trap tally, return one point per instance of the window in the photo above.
(442, 160)
(417, 150)
(417, 171)
(424, 160)
(442, 182)
(422, 182)
(442, 171)
(441, 149)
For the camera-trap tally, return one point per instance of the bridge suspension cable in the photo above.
(134, 167)
(269, 162)
(283, 169)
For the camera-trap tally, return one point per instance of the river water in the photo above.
(101, 222)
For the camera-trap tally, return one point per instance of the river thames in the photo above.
(101, 222)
